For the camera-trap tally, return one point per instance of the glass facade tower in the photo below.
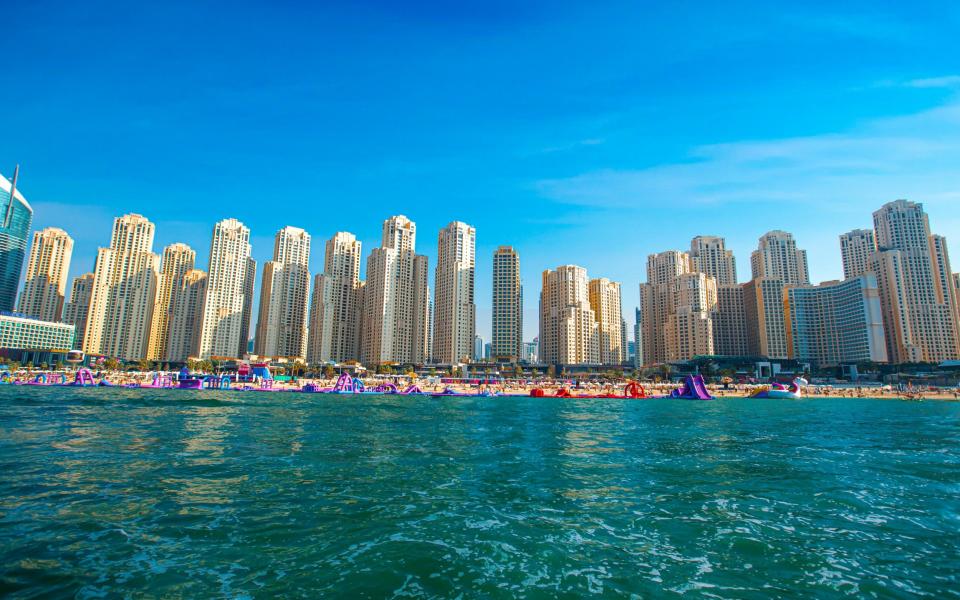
(15, 218)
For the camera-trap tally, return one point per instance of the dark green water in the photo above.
(196, 494)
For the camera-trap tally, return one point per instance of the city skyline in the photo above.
(690, 313)
(484, 308)
(544, 127)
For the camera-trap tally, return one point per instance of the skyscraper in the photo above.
(335, 311)
(395, 298)
(568, 327)
(944, 284)
(249, 282)
(911, 268)
(507, 330)
(178, 259)
(454, 311)
(678, 306)
(709, 255)
(282, 324)
(16, 215)
(855, 249)
(730, 322)
(422, 312)
(777, 257)
(956, 294)
(229, 282)
(638, 335)
(605, 303)
(186, 316)
(46, 282)
(835, 322)
(766, 327)
(76, 310)
(124, 291)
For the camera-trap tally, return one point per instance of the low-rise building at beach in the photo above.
(25, 333)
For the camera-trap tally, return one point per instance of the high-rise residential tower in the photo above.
(249, 283)
(911, 267)
(186, 316)
(227, 304)
(730, 322)
(454, 310)
(422, 339)
(395, 298)
(709, 255)
(605, 302)
(638, 336)
(507, 330)
(678, 307)
(335, 310)
(46, 282)
(956, 294)
(777, 257)
(765, 319)
(124, 291)
(282, 323)
(944, 280)
(15, 218)
(76, 310)
(178, 259)
(856, 247)
(568, 327)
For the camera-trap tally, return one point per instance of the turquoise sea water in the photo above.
(107, 493)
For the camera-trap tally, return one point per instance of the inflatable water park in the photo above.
(257, 377)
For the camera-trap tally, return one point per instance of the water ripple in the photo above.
(111, 493)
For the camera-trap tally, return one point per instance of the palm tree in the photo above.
(665, 371)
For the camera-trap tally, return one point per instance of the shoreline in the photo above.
(589, 391)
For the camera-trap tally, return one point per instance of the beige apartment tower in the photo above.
(763, 303)
(454, 310)
(124, 292)
(607, 309)
(422, 316)
(506, 341)
(186, 316)
(45, 285)
(955, 280)
(178, 259)
(912, 268)
(777, 257)
(856, 248)
(709, 255)
(335, 309)
(76, 310)
(395, 298)
(677, 305)
(568, 327)
(229, 285)
(282, 322)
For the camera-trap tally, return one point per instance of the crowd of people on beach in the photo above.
(513, 386)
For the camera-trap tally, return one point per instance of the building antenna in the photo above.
(13, 191)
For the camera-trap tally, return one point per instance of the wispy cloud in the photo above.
(946, 81)
(914, 156)
(571, 145)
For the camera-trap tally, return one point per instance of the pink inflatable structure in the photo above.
(84, 378)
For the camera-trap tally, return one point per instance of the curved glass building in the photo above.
(15, 218)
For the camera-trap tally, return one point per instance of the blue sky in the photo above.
(587, 133)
